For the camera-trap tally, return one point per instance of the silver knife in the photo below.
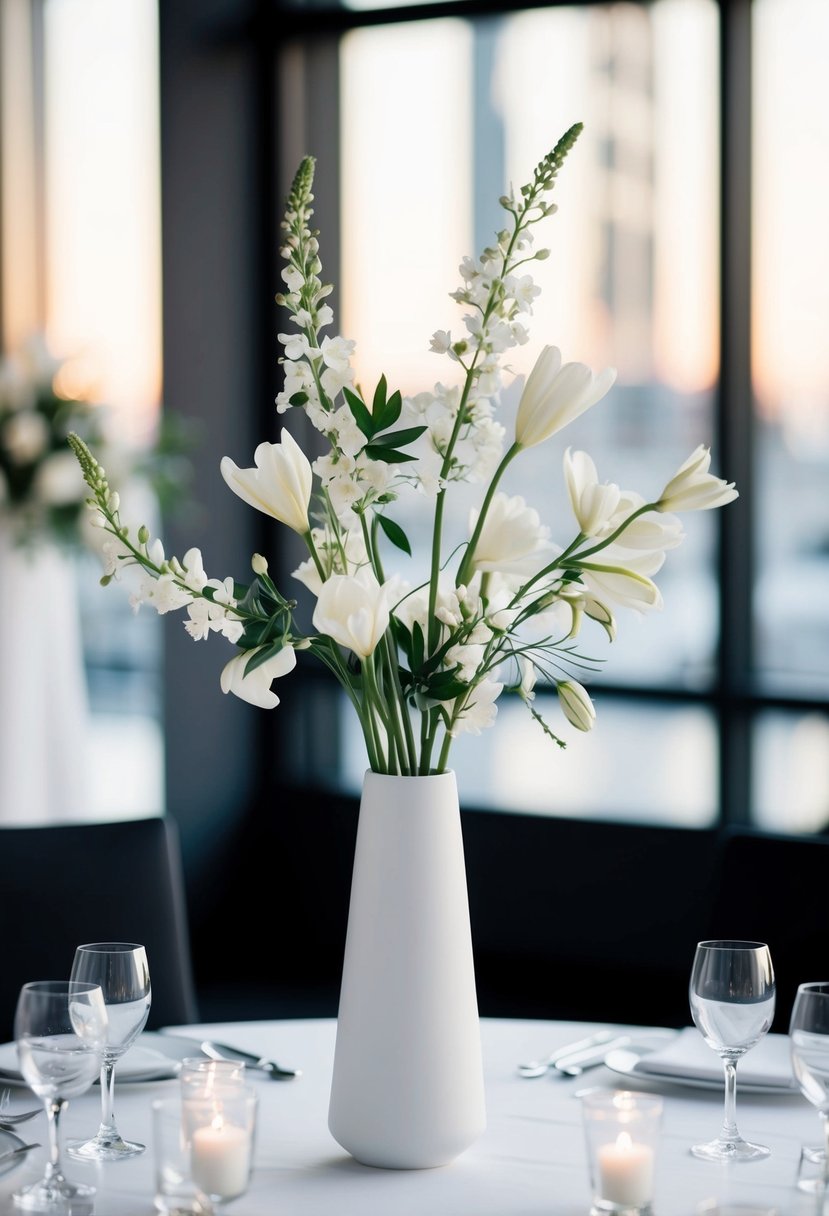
(220, 1051)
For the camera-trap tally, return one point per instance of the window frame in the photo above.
(258, 36)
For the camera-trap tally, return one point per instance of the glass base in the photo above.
(56, 1195)
(811, 1172)
(735, 1149)
(103, 1148)
(606, 1207)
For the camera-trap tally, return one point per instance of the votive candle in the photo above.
(626, 1171)
(220, 1158)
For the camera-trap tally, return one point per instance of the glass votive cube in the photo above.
(622, 1131)
(220, 1124)
(201, 1073)
(175, 1192)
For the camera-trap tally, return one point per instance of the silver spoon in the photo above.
(537, 1068)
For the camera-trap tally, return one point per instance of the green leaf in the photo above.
(390, 412)
(379, 402)
(262, 656)
(378, 452)
(446, 686)
(399, 439)
(360, 412)
(395, 533)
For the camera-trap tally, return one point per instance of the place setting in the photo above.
(70, 1034)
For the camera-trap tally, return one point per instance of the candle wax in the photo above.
(220, 1161)
(626, 1172)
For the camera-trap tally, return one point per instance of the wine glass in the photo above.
(120, 968)
(732, 994)
(809, 1046)
(60, 1028)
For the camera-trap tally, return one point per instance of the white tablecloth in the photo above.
(530, 1161)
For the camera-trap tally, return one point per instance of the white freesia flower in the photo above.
(555, 394)
(693, 488)
(513, 540)
(255, 688)
(593, 503)
(279, 485)
(623, 586)
(330, 551)
(649, 531)
(576, 704)
(353, 610)
(479, 709)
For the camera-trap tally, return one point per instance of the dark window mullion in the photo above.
(735, 410)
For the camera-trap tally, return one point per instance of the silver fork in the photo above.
(21, 1151)
(9, 1120)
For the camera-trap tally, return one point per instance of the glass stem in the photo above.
(53, 1111)
(108, 1128)
(729, 1125)
(825, 1121)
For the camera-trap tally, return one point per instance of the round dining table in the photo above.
(530, 1161)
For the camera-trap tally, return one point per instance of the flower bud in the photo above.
(576, 704)
(259, 564)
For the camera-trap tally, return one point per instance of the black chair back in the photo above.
(772, 888)
(65, 885)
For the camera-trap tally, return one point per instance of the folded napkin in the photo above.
(139, 1063)
(688, 1055)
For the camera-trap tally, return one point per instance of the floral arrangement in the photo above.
(423, 661)
(42, 491)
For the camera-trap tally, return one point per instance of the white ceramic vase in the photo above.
(407, 1090)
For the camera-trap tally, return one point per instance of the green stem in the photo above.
(312, 548)
(444, 753)
(375, 700)
(464, 569)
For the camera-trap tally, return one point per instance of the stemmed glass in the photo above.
(809, 1045)
(59, 1027)
(122, 972)
(732, 993)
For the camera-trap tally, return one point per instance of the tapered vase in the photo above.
(407, 1089)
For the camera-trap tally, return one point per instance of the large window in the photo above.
(81, 269)
(690, 252)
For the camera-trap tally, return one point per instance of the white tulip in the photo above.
(693, 488)
(576, 704)
(512, 540)
(593, 504)
(280, 485)
(255, 688)
(353, 610)
(555, 394)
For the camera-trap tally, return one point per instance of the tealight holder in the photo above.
(622, 1130)
(198, 1073)
(220, 1125)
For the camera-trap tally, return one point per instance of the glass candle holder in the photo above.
(199, 1073)
(622, 1130)
(220, 1124)
(175, 1193)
